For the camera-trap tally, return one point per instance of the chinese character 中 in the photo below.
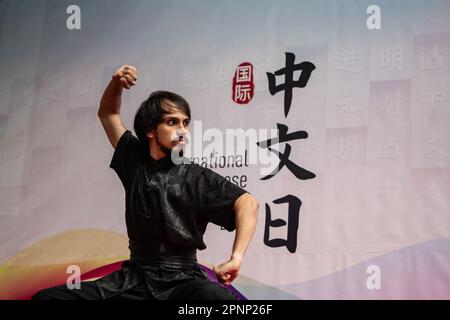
(306, 69)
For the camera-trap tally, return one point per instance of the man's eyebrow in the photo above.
(174, 117)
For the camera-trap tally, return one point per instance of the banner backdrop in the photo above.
(359, 93)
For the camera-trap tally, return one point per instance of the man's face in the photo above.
(172, 131)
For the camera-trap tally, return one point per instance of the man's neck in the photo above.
(157, 154)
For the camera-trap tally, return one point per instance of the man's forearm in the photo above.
(246, 210)
(109, 110)
(111, 99)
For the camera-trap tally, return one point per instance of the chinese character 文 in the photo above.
(284, 136)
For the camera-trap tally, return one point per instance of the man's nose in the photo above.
(183, 127)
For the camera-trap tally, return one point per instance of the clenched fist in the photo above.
(125, 76)
(227, 271)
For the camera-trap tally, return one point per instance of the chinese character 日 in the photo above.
(292, 224)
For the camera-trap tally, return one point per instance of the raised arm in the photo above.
(109, 110)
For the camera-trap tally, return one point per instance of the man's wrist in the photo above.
(236, 257)
(116, 85)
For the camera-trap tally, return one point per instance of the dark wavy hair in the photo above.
(151, 112)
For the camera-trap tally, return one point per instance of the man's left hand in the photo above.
(227, 271)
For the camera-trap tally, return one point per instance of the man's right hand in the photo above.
(125, 76)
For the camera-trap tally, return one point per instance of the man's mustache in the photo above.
(181, 138)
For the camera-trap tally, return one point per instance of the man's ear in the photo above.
(150, 134)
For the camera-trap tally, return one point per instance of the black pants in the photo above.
(190, 290)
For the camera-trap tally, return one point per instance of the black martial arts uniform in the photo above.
(168, 207)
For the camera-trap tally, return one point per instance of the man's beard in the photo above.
(167, 151)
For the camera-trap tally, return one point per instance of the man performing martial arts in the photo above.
(168, 206)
